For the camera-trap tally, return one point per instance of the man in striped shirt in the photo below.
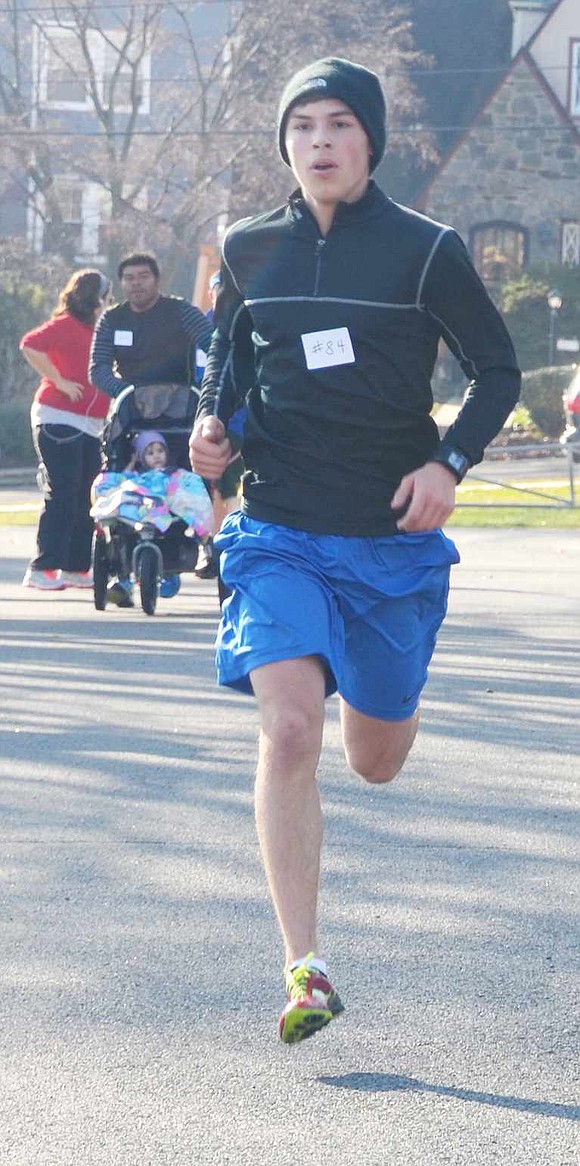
(148, 338)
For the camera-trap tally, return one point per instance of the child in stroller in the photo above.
(145, 490)
(150, 516)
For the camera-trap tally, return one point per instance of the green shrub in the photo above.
(524, 304)
(542, 391)
(16, 448)
(22, 307)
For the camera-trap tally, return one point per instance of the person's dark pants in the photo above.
(69, 461)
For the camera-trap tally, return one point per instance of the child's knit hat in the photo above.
(145, 438)
(356, 86)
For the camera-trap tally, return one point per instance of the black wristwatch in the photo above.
(454, 460)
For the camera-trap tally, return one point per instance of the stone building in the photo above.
(511, 184)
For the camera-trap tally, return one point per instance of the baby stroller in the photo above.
(126, 543)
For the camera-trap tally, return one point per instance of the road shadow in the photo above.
(393, 1083)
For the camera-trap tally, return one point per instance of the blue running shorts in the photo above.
(370, 608)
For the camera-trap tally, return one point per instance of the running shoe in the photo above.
(209, 563)
(169, 586)
(121, 593)
(312, 1003)
(77, 578)
(43, 580)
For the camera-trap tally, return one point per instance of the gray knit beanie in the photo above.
(356, 86)
(144, 438)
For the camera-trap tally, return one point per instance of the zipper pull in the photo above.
(318, 252)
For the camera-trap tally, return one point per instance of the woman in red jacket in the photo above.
(67, 420)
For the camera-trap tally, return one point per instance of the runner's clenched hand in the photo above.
(209, 448)
(427, 498)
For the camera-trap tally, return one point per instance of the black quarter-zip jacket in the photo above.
(325, 448)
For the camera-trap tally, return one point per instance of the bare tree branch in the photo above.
(165, 176)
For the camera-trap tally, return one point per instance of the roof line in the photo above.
(549, 14)
(557, 104)
(523, 56)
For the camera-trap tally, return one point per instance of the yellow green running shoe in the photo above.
(312, 1003)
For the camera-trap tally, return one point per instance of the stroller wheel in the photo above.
(148, 579)
(100, 571)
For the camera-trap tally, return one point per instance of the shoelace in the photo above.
(297, 978)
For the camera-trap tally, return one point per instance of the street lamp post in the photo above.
(554, 304)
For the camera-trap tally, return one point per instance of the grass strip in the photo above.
(500, 506)
(19, 517)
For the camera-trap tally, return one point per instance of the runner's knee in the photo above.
(378, 757)
(291, 701)
(292, 732)
(378, 772)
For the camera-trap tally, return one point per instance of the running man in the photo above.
(337, 564)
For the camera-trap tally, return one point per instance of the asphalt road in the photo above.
(139, 962)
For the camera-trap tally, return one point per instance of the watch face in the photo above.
(457, 461)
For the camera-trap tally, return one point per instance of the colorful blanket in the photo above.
(155, 497)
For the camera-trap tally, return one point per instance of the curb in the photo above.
(20, 476)
(13, 503)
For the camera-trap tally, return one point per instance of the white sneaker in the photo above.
(77, 578)
(43, 580)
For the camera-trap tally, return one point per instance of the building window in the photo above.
(63, 217)
(571, 244)
(498, 250)
(75, 219)
(119, 72)
(64, 70)
(68, 220)
(575, 79)
(136, 205)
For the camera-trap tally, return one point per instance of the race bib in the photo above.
(323, 349)
(123, 339)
